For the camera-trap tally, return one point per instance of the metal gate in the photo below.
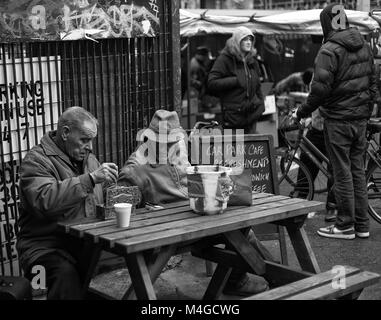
(121, 81)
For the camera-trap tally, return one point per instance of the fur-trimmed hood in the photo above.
(233, 44)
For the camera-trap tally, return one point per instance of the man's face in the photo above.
(246, 44)
(79, 141)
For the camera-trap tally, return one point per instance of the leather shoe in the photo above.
(250, 284)
(331, 215)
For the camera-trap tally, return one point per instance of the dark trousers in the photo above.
(62, 277)
(317, 139)
(346, 145)
(65, 269)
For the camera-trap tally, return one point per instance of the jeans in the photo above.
(317, 139)
(346, 145)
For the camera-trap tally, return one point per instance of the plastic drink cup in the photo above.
(123, 214)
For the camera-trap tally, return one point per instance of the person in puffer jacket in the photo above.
(344, 87)
(235, 79)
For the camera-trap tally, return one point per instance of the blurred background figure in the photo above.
(235, 79)
(199, 68)
(297, 81)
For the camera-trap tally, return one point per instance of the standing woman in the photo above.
(235, 78)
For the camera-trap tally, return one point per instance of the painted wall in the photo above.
(31, 20)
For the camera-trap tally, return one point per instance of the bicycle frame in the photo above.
(317, 157)
(373, 150)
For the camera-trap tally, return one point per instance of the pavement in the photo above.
(185, 276)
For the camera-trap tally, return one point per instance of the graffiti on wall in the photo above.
(31, 20)
(9, 197)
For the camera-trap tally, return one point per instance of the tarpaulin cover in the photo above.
(274, 23)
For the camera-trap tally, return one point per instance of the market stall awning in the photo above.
(274, 23)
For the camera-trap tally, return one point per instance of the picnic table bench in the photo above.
(326, 285)
(154, 237)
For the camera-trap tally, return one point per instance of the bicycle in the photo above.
(294, 173)
(295, 178)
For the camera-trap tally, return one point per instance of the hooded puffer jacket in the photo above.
(235, 79)
(344, 82)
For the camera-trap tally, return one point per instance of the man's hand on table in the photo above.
(106, 172)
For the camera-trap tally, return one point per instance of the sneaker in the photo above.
(331, 215)
(362, 234)
(333, 232)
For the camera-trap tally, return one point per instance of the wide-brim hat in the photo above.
(164, 127)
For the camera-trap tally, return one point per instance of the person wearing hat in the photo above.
(235, 79)
(158, 164)
(199, 67)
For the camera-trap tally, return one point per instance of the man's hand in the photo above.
(106, 172)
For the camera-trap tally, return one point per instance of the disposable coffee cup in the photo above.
(123, 214)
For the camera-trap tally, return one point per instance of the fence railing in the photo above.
(122, 81)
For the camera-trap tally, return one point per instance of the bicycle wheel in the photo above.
(373, 182)
(297, 181)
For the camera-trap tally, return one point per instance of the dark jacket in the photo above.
(236, 81)
(52, 189)
(344, 82)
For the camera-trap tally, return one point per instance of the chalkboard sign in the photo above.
(249, 151)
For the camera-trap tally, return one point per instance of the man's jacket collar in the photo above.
(51, 148)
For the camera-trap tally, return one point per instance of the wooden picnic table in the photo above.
(153, 237)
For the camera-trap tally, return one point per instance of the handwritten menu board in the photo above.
(250, 151)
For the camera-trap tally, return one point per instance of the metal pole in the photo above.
(176, 57)
(363, 5)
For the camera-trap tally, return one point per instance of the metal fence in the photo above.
(121, 81)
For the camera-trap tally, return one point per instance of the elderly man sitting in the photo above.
(158, 168)
(60, 180)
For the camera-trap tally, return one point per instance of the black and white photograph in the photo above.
(190, 156)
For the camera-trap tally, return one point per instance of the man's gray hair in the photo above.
(74, 117)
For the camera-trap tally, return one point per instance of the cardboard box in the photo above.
(105, 213)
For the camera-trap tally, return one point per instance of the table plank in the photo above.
(213, 225)
(113, 235)
(120, 233)
(77, 228)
